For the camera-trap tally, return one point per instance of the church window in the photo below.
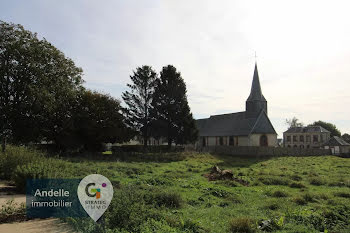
(231, 141)
(221, 141)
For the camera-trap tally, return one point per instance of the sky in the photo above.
(302, 47)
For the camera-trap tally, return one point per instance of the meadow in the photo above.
(168, 192)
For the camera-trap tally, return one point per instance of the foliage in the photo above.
(16, 156)
(38, 85)
(242, 225)
(139, 99)
(172, 116)
(12, 211)
(328, 126)
(294, 122)
(98, 120)
(346, 137)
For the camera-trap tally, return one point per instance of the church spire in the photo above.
(256, 100)
(255, 92)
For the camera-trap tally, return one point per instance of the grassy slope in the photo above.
(214, 204)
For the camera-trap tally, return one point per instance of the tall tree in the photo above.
(138, 100)
(37, 85)
(294, 122)
(328, 126)
(171, 112)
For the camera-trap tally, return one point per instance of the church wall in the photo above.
(242, 141)
(255, 139)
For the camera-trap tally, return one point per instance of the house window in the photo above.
(221, 141)
(295, 138)
(295, 146)
(308, 146)
(288, 146)
(307, 138)
(302, 146)
(203, 141)
(301, 138)
(231, 141)
(288, 138)
(315, 138)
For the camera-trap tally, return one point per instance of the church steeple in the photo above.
(256, 100)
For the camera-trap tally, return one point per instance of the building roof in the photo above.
(336, 141)
(307, 129)
(255, 92)
(234, 124)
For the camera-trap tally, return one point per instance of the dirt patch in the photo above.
(218, 174)
(37, 226)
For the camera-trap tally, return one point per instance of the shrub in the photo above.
(299, 200)
(12, 211)
(16, 156)
(279, 193)
(317, 181)
(154, 226)
(46, 168)
(242, 225)
(297, 185)
(168, 199)
(296, 178)
(342, 194)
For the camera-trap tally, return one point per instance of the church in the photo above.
(249, 128)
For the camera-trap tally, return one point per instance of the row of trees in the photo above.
(42, 97)
(294, 122)
(157, 106)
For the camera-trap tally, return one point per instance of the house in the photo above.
(337, 145)
(249, 128)
(305, 137)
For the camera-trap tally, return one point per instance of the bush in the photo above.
(297, 185)
(279, 193)
(12, 211)
(317, 181)
(342, 194)
(168, 199)
(16, 156)
(154, 226)
(46, 168)
(242, 225)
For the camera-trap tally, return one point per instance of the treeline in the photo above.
(42, 99)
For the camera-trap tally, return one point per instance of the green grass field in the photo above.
(168, 193)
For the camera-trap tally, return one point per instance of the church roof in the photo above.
(336, 141)
(234, 124)
(255, 92)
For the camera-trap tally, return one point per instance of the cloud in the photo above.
(302, 50)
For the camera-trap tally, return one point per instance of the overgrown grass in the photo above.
(168, 192)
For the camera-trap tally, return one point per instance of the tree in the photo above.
(294, 122)
(328, 126)
(139, 99)
(170, 111)
(346, 137)
(98, 120)
(37, 87)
